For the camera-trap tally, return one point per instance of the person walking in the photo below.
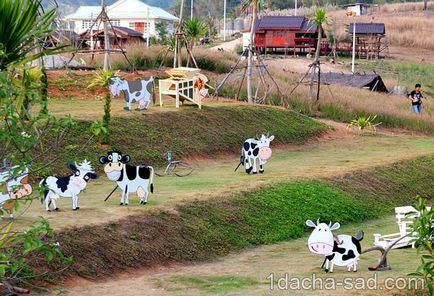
(416, 99)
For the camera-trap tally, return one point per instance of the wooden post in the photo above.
(178, 35)
(106, 37)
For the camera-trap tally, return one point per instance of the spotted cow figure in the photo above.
(139, 179)
(340, 250)
(68, 186)
(13, 188)
(135, 91)
(256, 150)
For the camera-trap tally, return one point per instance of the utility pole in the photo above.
(91, 33)
(224, 20)
(106, 37)
(147, 28)
(191, 9)
(295, 13)
(354, 48)
(178, 35)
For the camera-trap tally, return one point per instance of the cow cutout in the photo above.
(67, 186)
(14, 188)
(130, 179)
(135, 91)
(256, 150)
(340, 250)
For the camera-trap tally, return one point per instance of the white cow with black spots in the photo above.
(256, 150)
(340, 250)
(130, 179)
(68, 186)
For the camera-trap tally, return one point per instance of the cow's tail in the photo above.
(151, 180)
(46, 190)
(242, 159)
(360, 234)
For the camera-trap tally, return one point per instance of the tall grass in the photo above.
(406, 24)
(342, 103)
(143, 58)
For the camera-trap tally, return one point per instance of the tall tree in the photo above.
(256, 6)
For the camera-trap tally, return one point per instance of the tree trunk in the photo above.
(315, 63)
(425, 4)
(250, 98)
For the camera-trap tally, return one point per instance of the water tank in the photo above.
(239, 24)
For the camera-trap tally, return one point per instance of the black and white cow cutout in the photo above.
(135, 91)
(256, 150)
(340, 250)
(68, 186)
(129, 178)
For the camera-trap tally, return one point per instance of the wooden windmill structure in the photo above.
(103, 19)
(181, 40)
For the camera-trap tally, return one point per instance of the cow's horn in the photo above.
(330, 224)
(317, 222)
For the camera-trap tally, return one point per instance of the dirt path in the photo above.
(248, 272)
(228, 46)
(334, 154)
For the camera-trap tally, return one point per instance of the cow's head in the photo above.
(83, 172)
(321, 240)
(116, 86)
(18, 187)
(264, 147)
(114, 164)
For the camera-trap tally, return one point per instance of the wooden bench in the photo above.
(404, 221)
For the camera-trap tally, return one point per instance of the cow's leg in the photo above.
(248, 165)
(261, 166)
(54, 204)
(47, 201)
(327, 265)
(331, 267)
(123, 197)
(255, 171)
(126, 198)
(143, 195)
(355, 265)
(74, 203)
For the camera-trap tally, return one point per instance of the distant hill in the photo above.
(69, 6)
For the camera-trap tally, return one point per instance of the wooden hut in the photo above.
(285, 33)
(370, 39)
(119, 37)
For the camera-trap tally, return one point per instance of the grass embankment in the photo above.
(189, 133)
(203, 230)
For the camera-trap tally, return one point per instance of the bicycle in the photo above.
(175, 167)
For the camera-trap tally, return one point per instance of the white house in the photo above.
(133, 14)
(356, 9)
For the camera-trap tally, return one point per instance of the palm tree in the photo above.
(256, 7)
(319, 18)
(24, 25)
(194, 29)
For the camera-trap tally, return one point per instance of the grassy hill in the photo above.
(187, 133)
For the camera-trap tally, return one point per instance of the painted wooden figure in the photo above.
(130, 179)
(13, 189)
(68, 186)
(256, 150)
(340, 250)
(135, 91)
